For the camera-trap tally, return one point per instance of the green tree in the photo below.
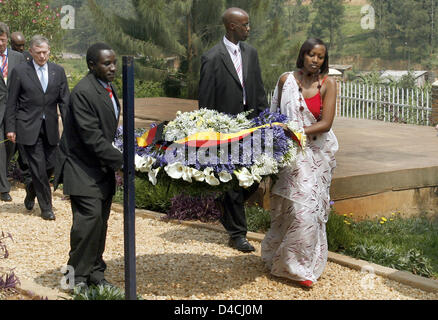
(327, 21)
(297, 17)
(164, 28)
(405, 29)
(34, 18)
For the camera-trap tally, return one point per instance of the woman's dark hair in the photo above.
(307, 46)
(93, 52)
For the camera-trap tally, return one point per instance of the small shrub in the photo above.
(99, 293)
(339, 232)
(187, 207)
(257, 218)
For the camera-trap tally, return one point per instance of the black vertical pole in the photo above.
(128, 177)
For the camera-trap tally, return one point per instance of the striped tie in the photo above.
(237, 61)
(110, 91)
(4, 67)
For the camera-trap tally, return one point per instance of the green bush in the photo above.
(339, 233)
(100, 293)
(257, 218)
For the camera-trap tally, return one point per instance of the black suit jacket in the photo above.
(87, 159)
(14, 59)
(219, 85)
(27, 102)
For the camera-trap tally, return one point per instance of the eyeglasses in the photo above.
(244, 25)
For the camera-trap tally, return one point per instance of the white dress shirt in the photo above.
(236, 57)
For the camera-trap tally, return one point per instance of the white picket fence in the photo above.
(383, 103)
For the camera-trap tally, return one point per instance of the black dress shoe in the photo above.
(5, 196)
(241, 244)
(29, 201)
(47, 215)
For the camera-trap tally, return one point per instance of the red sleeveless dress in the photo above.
(314, 104)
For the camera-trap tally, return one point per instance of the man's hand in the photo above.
(11, 136)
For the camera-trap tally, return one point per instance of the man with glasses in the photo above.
(231, 82)
(36, 90)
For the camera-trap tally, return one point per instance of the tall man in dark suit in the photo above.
(87, 162)
(8, 60)
(36, 89)
(231, 82)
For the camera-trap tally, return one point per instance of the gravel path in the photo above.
(174, 261)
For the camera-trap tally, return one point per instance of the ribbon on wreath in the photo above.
(209, 138)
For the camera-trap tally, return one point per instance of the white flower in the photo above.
(210, 178)
(175, 170)
(225, 176)
(187, 174)
(198, 175)
(152, 174)
(143, 164)
(245, 177)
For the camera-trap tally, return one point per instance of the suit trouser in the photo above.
(11, 149)
(40, 158)
(5, 186)
(88, 236)
(233, 218)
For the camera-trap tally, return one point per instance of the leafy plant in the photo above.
(188, 207)
(258, 219)
(33, 18)
(99, 293)
(8, 281)
(339, 232)
(3, 248)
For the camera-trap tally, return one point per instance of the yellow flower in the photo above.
(351, 214)
(391, 219)
(382, 222)
(393, 213)
(384, 219)
(345, 214)
(346, 222)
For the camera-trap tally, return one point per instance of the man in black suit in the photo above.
(35, 91)
(231, 82)
(87, 162)
(8, 60)
(18, 43)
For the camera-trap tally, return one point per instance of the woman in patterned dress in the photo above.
(295, 246)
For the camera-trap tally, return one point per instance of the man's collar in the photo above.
(233, 46)
(37, 66)
(103, 83)
(5, 52)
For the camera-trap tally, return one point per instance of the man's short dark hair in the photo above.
(93, 52)
(4, 28)
(307, 46)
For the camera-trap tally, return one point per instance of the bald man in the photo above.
(231, 82)
(18, 43)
